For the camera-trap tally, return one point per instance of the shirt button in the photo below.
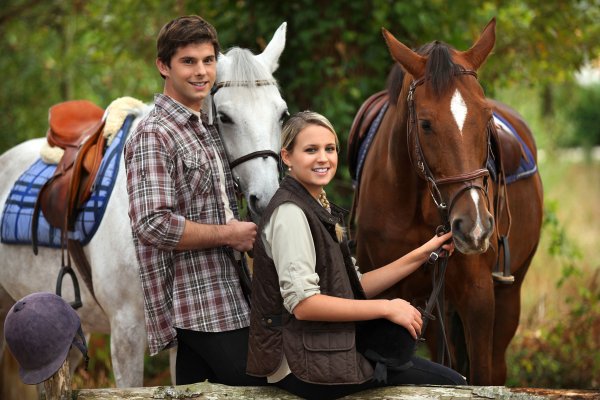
(269, 321)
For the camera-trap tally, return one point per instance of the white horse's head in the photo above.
(249, 112)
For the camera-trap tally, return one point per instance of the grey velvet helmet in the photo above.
(39, 331)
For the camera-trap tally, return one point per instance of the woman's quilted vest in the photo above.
(317, 352)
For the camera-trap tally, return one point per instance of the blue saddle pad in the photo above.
(18, 210)
(527, 165)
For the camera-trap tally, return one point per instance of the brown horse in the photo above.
(428, 162)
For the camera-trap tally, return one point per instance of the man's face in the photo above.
(191, 75)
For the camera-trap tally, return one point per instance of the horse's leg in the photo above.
(119, 293)
(508, 307)
(508, 311)
(473, 294)
(130, 340)
(172, 363)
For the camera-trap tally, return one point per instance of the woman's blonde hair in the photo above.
(299, 121)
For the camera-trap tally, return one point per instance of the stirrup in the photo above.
(504, 277)
(501, 278)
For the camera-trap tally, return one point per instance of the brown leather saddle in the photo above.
(75, 126)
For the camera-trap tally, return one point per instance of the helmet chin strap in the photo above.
(80, 343)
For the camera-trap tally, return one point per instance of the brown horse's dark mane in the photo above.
(440, 70)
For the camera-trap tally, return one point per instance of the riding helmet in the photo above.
(39, 331)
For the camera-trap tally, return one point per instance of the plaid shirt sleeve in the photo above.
(152, 193)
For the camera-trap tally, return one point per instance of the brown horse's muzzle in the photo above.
(471, 222)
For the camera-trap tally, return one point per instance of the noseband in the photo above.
(420, 165)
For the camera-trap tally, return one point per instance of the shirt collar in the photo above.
(180, 112)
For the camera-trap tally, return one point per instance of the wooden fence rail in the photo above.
(206, 390)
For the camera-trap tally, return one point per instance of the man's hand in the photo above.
(242, 235)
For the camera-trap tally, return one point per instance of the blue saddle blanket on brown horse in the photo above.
(18, 209)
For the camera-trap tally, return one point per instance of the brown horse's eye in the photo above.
(425, 125)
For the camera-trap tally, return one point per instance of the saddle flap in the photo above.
(70, 120)
(360, 126)
(71, 184)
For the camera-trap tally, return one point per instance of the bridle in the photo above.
(470, 180)
(420, 165)
(255, 154)
(242, 271)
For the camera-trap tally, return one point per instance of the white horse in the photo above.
(248, 107)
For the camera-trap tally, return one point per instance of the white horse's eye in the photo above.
(224, 118)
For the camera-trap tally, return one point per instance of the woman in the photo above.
(307, 296)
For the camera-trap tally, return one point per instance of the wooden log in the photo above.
(206, 390)
(58, 386)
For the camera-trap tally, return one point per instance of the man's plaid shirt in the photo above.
(172, 175)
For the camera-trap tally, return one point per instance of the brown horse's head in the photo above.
(448, 138)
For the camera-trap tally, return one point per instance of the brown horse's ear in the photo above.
(413, 63)
(479, 52)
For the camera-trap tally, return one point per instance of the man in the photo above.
(183, 216)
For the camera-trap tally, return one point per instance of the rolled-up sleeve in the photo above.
(152, 193)
(288, 241)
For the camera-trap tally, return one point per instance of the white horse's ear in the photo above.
(270, 55)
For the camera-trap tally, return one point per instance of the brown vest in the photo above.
(317, 352)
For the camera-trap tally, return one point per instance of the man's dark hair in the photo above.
(181, 32)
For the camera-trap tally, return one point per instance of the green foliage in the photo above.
(564, 352)
(335, 56)
(560, 247)
(564, 355)
(583, 103)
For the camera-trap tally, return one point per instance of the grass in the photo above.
(573, 190)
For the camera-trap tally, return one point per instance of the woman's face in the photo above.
(313, 159)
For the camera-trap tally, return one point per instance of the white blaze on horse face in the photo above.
(478, 226)
(458, 109)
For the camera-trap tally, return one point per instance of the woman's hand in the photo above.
(435, 242)
(401, 312)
